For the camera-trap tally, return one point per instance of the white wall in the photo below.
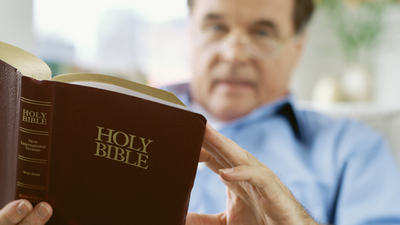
(322, 56)
(388, 62)
(16, 25)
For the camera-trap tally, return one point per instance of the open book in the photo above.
(99, 149)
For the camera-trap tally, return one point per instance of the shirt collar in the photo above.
(283, 106)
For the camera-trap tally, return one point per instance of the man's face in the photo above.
(231, 75)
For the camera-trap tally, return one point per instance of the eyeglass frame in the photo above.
(245, 40)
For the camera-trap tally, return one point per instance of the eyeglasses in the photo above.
(255, 44)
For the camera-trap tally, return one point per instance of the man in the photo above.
(244, 52)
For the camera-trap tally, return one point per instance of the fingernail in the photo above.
(226, 171)
(24, 208)
(42, 211)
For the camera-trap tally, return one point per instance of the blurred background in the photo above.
(350, 67)
(137, 40)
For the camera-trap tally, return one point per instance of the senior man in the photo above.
(276, 164)
(341, 172)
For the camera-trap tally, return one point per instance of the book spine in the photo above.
(10, 80)
(35, 120)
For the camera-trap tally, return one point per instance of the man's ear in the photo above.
(301, 41)
(299, 45)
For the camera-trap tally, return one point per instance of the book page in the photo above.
(126, 91)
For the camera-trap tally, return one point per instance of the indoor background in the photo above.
(350, 67)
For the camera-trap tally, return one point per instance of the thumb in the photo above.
(14, 212)
(205, 219)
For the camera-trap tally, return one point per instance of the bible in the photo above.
(99, 149)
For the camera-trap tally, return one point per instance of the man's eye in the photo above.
(263, 33)
(218, 28)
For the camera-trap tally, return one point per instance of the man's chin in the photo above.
(228, 112)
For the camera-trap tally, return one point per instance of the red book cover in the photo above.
(97, 156)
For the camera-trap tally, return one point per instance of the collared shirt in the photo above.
(340, 170)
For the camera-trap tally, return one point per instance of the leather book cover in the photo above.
(8, 131)
(97, 156)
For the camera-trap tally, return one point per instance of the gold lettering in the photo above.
(101, 134)
(109, 151)
(34, 117)
(33, 114)
(126, 139)
(101, 148)
(31, 173)
(25, 112)
(33, 120)
(140, 160)
(23, 196)
(128, 157)
(119, 152)
(113, 147)
(131, 143)
(32, 141)
(144, 144)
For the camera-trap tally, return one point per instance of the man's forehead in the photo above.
(244, 10)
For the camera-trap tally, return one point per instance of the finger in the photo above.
(14, 212)
(39, 216)
(216, 155)
(205, 219)
(226, 150)
(239, 190)
(267, 182)
(210, 161)
(275, 199)
(204, 156)
(259, 176)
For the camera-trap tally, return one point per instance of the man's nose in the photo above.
(233, 49)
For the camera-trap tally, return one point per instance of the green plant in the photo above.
(357, 23)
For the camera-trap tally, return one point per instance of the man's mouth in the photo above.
(234, 84)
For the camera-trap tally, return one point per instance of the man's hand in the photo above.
(255, 194)
(21, 212)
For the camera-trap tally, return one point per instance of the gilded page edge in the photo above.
(144, 89)
(28, 64)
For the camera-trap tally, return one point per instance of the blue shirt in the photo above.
(340, 170)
